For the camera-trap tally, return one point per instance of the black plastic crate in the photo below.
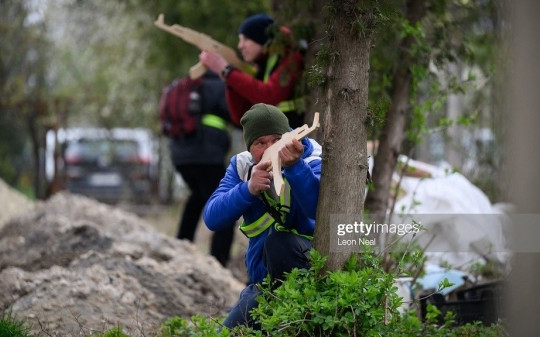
(478, 303)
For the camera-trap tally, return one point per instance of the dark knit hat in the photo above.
(255, 28)
(262, 120)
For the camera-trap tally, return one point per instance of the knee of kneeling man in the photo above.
(279, 244)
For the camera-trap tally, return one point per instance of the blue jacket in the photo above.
(232, 200)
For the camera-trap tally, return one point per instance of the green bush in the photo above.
(115, 332)
(360, 300)
(199, 326)
(354, 301)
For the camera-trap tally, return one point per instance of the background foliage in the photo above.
(103, 63)
(92, 63)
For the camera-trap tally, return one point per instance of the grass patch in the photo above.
(12, 327)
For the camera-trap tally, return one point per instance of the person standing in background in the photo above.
(200, 159)
(278, 64)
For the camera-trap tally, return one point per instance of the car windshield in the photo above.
(90, 150)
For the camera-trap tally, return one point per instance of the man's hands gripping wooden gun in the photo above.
(262, 173)
(203, 42)
(284, 153)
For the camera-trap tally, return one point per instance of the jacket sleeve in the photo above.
(228, 202)
(304, 179)
(243, 90)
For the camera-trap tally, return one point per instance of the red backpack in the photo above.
(180, 107)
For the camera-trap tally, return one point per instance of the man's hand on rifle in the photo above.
(261, 178)
(213, 61)
(291, 152)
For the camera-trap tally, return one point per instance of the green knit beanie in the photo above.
(262, 120)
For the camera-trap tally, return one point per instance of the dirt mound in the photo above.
(72, 265)
(12, 203)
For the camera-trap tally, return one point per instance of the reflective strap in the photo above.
(270, 64)
(291, 105)
(214, 121)
(257, 227)
(284, 106)
(284, 199)
(284, 207)
(266, 220)
(280, 228)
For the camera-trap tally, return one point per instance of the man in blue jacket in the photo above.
(279, 228)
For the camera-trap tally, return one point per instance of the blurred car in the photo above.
(109, 165)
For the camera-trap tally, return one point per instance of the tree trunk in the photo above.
(393, 131)
(35, 141)
(521, 114)
(345, 163)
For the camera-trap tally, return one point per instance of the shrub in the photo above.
(115, 332)
(359, 300)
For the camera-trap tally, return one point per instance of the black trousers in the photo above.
(202, 180)
(282, 252)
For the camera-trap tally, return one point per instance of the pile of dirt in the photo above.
(12, 203)
(70, 266)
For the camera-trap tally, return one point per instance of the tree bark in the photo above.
(345, 162)
(521, 112)
(35, 141)
(393, 132)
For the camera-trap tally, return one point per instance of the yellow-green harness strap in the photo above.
(266, 220)
(291, 105)
(214, 121)
(270, 64)
(284, 106)
(281, 228)
(257, 227)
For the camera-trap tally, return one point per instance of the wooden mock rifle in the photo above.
(203, 42)
(272, 153)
